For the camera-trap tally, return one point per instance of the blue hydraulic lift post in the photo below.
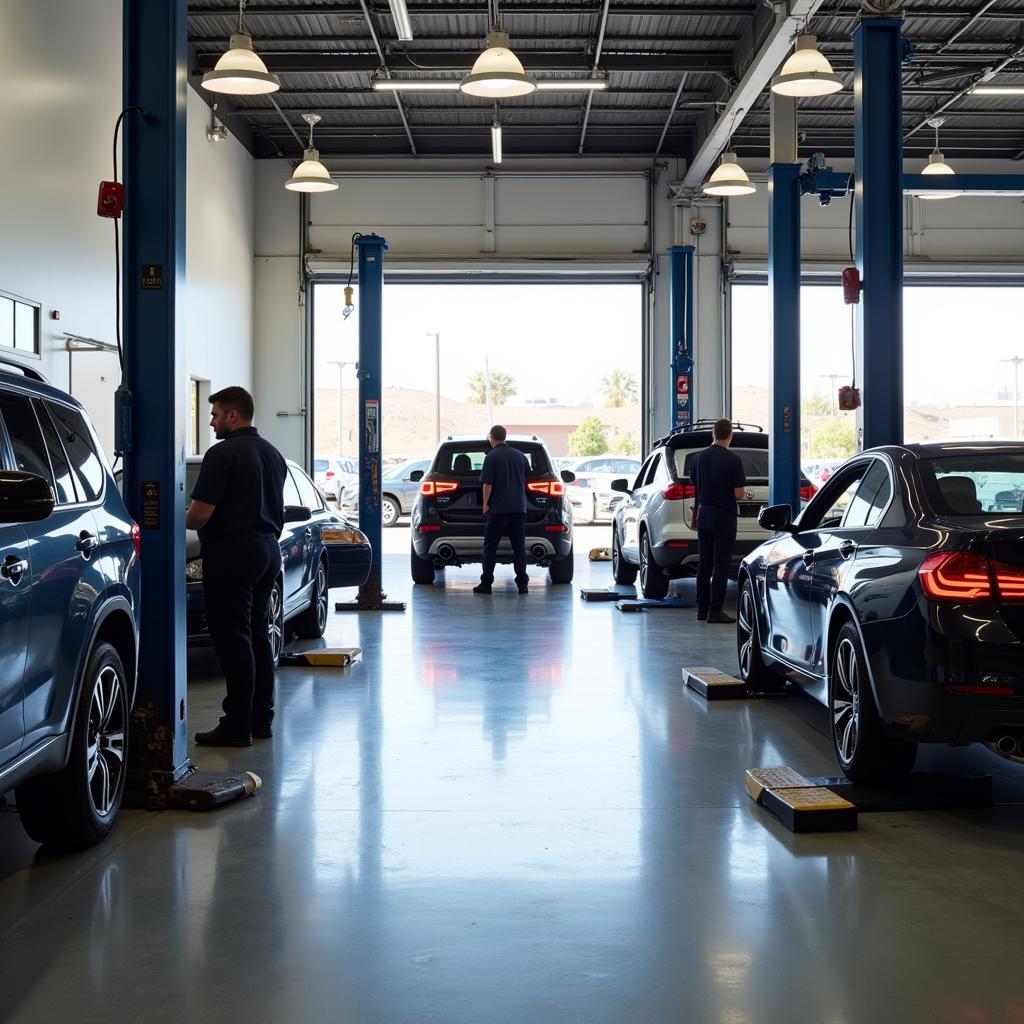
(680, 319)
(155, 78)
(878, 174)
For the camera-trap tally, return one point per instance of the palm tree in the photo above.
(620, 389)
(503, 387)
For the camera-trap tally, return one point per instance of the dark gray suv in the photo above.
(69, 600)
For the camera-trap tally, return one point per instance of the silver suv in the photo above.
(651, 533)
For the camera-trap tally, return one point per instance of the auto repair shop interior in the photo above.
(605, 224)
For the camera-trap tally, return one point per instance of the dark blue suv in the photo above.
(69, 600)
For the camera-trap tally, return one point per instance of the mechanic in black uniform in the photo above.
(503, 475)
(718, 480)
(238, 509)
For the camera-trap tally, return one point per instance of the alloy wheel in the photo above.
(105, 749)
(321, 597)
(846, 700)
(745, 632)
(388, 512)
(644, 563)
(276, 622)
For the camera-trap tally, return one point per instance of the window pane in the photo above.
(27, 441)
(963, 485)
(308, 494)
(291, 492)
(827, 510)
(24, 327)
(6, 322)
(74, 434)
(862, 502)
(62, 480)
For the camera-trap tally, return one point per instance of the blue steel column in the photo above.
(680, 325)
(371, 301)
(155, 76)
(878, 172)
(784, 296)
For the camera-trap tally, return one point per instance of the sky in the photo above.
(556, 341)
(953, 340)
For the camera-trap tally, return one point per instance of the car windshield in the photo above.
(755, 463)
(974, 482)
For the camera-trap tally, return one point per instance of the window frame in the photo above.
(36, 308)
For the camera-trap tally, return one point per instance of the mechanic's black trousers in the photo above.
(513, 526)
(714, 551)
(239, 574)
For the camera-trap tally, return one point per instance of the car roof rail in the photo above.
(30, 372)
(705, 424)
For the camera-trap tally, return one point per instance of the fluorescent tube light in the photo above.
(403, 26)
(414, 85)
(998, 90)
(571, 84)
(496, 142)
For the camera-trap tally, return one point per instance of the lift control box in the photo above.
(110, 202)
(851, 286)
(849, 398)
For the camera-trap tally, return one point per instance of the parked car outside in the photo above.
(448, 522)
(819, 472)
(398, 492)
(69, 607)
(651, 532)
(591, 492)
(320, 549)
(331, 474)
(897, 600)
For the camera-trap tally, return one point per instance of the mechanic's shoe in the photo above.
(720, 617)
(702, 615)
(482, 588)
(221, 737)
(262, 732)
(523, 588)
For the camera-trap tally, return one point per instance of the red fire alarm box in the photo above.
(849, 398)
(851, 286)
(111, 199)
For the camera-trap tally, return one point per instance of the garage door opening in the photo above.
(562, 361)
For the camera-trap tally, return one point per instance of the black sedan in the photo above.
(896, 598)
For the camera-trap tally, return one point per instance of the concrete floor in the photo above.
(510, 812)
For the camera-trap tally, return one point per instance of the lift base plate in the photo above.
(607, 594)
(327, 657)
(713, 684)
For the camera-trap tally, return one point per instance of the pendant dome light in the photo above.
(729, 179)
(498, 72)
(310, 175)
(807, 72)
(240, 72)
(937, 162)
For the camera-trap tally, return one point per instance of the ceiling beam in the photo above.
(479, 10)
(594, 71)
(765, 62)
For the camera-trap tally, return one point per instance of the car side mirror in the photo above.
(622, 484)
(24, 498)
(416, 476)
(296, 513)
(776, 518)
(567, 476)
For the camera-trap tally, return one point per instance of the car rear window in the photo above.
(974, 482)
(466, 458)
(755, 463)
(319, 465)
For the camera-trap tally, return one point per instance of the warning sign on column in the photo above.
(372, 425)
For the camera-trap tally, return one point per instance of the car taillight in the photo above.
(807, 492)
(555, 488)
(676, 492)
(329, 474)
(431, 487)
(1009, 582)
(956, 576)
(137, 539)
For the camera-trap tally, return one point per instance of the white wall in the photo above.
(60, 98)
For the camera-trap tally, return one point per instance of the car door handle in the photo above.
(808, 557)
(847, 548)
(13, 568)
(86, 542)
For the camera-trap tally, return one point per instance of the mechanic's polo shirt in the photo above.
(243, 477)
(504, 469)
(716, 472)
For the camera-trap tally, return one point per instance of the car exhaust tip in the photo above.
(446, 552)
(1008, 745)
(538, 551)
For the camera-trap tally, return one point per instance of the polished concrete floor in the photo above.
(510, 811)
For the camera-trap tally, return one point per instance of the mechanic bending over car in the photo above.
(238, 510)
(718, 480)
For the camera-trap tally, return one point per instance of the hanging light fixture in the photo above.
(729, 179)
(240, 72)
(807, 72)
(310, 175)
(937, 162)
(497, 73)
(496, 142)
(400, 16)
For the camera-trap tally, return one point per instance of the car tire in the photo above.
(277, 632)
(863, 751)
(562, 570)
(311, 624)
(653, 582)
(422, 569)
(753, 671)
(78, 806)
(622, 571)
(389, 511)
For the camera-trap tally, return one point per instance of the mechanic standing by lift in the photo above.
(718, 480)
(503, 475)
(238, 509)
